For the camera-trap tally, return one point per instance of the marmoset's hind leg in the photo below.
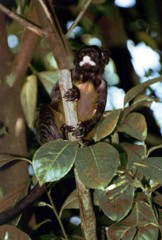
(47, 129)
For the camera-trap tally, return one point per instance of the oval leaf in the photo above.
(134, 125)
(151, 168)
(121, 231)
(117, 201)
(28, 97)
(48, 79)
(107, 125)
(133, 92)
(134, 154)
(97, 164)
(135, 106)
(71, 202)
(54, 160)
(8, 232)
(141, 222)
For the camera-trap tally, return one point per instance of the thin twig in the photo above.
(36, 29)
(55, 36)
(46, 11)
(57, 216)
(80, 15)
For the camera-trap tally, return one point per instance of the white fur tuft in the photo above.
(87, 59)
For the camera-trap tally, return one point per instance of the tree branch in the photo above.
(70, 108)
(80, 15)
(5, 56)
(55, 36)
(10, 213)
(28, 44)
(57, 39)
(88, 220)
(31, 26)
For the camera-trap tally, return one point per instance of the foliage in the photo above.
(126, 191)
(122, 176)
(119, 170)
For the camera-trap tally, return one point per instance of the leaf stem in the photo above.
(57, 216)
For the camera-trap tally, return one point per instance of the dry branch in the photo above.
(25, 23)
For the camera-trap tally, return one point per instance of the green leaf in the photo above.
(8, 232)
(134, 125)
(133, 92)
(144, 99)
(153, 149)
(53, 160)
(139, 225)
(97, 164)
(151, 168)
(107, 125)
(48, 79)
(134, 154)
(71, 202)
(135, 106)
(116, 201)
(28, 97)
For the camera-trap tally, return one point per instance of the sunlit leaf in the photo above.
(134, 125)
(151, 168)
(71, 202)
(107, 125)
(48, 79)
(8, 232)
(29, 99)
(116, 201)
(140, 99)
(133, 92)
(97, 164)
(54, 160)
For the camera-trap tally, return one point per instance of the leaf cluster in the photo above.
(122, 176)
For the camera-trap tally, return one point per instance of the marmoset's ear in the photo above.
(105, 56)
